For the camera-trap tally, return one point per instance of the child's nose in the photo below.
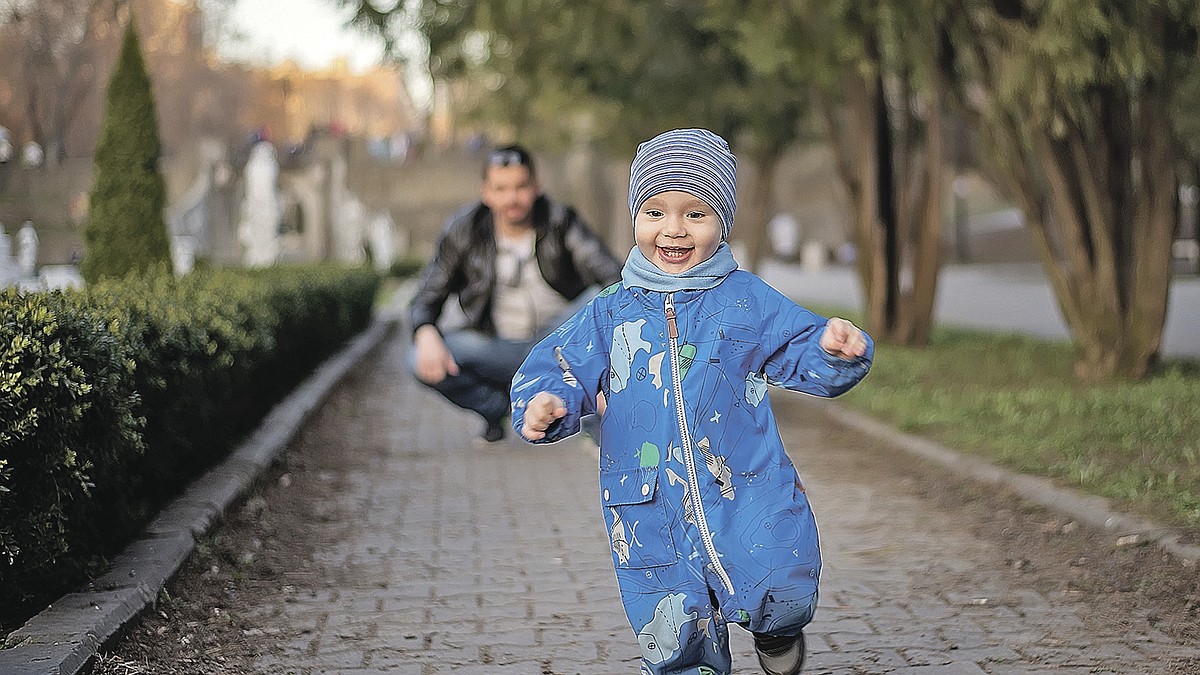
(673, 226)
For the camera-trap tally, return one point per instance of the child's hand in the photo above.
(843, 339)
(541, 412)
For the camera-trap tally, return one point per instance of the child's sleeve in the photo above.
(794, 357)
(571, 363)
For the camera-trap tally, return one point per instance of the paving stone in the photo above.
(954, 668)
(495, 561)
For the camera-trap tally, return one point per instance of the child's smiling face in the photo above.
(676, 231)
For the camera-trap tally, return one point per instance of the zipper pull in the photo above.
(567, 375)
(672, 329)
(562, 361)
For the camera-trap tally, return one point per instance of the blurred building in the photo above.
(54, 90)
(292, 102)
(58, 59)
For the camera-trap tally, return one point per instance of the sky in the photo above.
(311, 32)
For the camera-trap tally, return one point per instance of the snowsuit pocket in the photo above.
(636, 518)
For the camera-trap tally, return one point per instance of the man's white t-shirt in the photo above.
(524, 302)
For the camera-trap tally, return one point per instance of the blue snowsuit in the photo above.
(707, 518)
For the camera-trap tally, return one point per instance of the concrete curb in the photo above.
(1089, 509)
(65, 637)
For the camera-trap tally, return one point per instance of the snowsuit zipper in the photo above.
(689, 459)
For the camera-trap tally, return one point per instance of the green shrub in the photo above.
(218, 348)
(69, 435)
(114, 398)
(406, 267)
(125, 230)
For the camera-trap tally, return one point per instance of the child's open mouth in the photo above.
(674, 254)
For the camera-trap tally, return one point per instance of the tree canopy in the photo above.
(1079, 108)
(1073, 102)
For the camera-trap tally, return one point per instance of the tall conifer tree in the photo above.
(125, 230)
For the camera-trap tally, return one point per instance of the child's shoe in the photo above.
(780, 655)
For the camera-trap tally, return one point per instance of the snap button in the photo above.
(645, 489)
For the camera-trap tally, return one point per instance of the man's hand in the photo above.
(541, 412)
(433, 361)
(843, 339)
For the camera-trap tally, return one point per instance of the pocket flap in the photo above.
(628, 486)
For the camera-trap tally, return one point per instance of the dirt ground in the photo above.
(262, 550)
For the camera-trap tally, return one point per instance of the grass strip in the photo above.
(1013, 400)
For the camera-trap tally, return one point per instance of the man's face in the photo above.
(509, 191)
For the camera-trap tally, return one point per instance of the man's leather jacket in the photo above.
(570, 257)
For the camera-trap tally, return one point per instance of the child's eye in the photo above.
(696, 215)
(653, 213)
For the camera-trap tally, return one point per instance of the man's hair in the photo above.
(509, 155)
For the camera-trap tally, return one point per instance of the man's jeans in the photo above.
(486, 365)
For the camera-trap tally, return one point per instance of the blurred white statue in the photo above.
(348, 217)
(784, 234)
(383, 244)
(6, 261)
(183, 254)
(258, 228)
(27, 250)
(32, 154)
(6, 147)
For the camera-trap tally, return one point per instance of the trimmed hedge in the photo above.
(70, 434)
(115, 398)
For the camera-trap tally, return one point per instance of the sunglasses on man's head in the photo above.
(506, 158)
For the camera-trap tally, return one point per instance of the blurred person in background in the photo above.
(519, 263)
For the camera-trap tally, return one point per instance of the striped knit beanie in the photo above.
(695, 161)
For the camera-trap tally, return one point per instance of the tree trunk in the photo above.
(895, 222)
(1112, 206)
(906, 238)
(1155, 215)
(1099, 194)
(752, 224)
(863, 165)
(927, 232)
(889, 216)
